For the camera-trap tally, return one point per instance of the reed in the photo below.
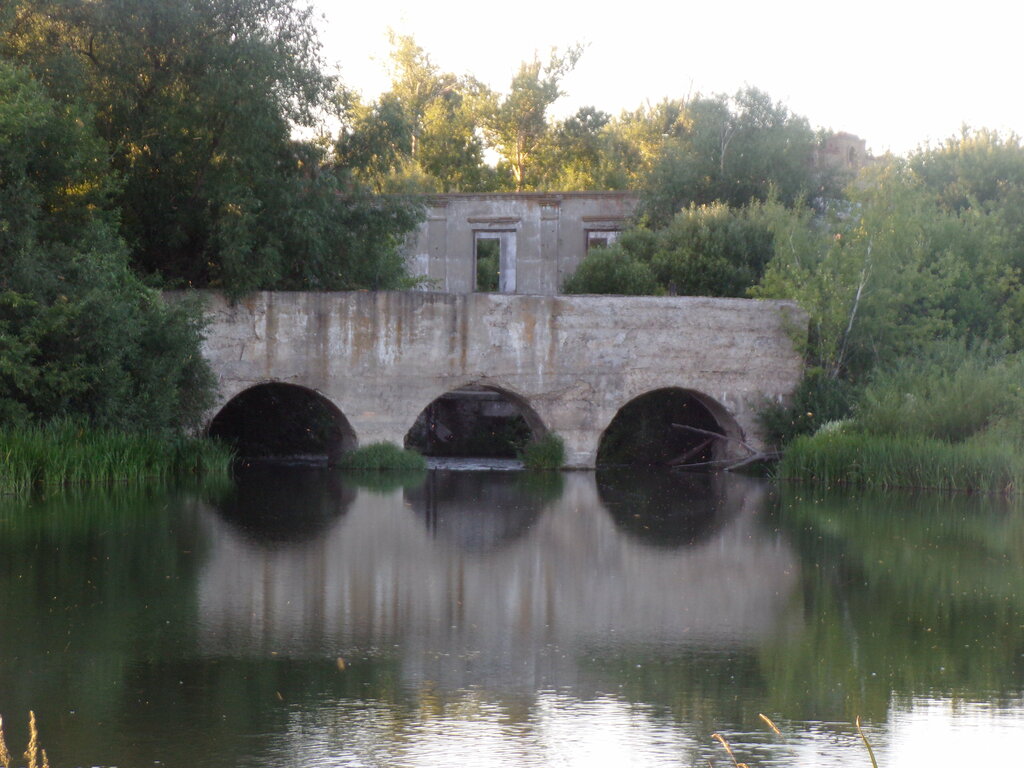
(383, 456)
(547, 452)
(65, 454)
(855, 458)
(34, 754)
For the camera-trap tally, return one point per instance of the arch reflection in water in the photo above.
(667, 509)
(483, 511)
(277, 504)
(464, 601)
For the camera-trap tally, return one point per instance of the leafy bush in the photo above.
(547, 452)
(80, 335)
(383, 456)
(818, 399)
(704, 251)
(612, 271)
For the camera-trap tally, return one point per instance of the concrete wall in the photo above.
(381, 358)
(546, 232)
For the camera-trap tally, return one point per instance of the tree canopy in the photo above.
(197, 102)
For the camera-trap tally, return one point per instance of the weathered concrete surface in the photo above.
(544, 236)
(381, 358)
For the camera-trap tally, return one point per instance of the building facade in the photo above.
(520, 243)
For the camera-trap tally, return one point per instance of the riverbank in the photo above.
(67, 454)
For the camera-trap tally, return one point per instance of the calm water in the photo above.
(307, 618)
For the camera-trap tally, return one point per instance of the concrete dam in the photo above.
(569, 363)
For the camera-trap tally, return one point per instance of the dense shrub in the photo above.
(818, 399)
(709, 250)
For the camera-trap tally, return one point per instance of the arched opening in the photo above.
(670, 427)
(474, 422)
(284, 422)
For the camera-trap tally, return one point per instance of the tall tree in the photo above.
(197, 100)
(421, 135)
(80, 335)
(517, 126)
(731, 151)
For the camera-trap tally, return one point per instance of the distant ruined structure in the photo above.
(842, 151)
(520, 243)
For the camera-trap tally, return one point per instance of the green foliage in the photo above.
(709, 250)
(731, 151)
(947, 392)
(612, 270)
(547, 452)
(377, 456)
(819, 399)
(421, 136)
(79, 334)
(517, 125)
(488, 262)
(196, 103)
(948, 418)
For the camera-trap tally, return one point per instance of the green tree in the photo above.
(80, 336)
(421, 135)
(197, 101)
(517, 126)
(732, 151)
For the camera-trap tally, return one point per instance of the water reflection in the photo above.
(482, 511)
(274, 503)
(485, 580)
(668, 509)
(538, 625)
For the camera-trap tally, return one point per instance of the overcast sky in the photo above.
(895, 73)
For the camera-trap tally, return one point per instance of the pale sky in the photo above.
(895, 73)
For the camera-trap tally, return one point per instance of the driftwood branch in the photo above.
(726, 464)
(716, 436)
(695, 451)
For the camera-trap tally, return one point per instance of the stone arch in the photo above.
(277, 420)
(642, 429)
(429, 430)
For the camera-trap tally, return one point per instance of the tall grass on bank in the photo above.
(847, 457)
(951, 417)
(67, 454)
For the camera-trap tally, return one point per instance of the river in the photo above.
(305, 617)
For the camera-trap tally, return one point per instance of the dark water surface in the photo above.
(303, 617)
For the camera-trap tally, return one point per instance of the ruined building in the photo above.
(525, 243)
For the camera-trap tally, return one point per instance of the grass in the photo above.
(65, 454)
(34, 754)
(547, 452)
(850, 457)
(383, 456)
